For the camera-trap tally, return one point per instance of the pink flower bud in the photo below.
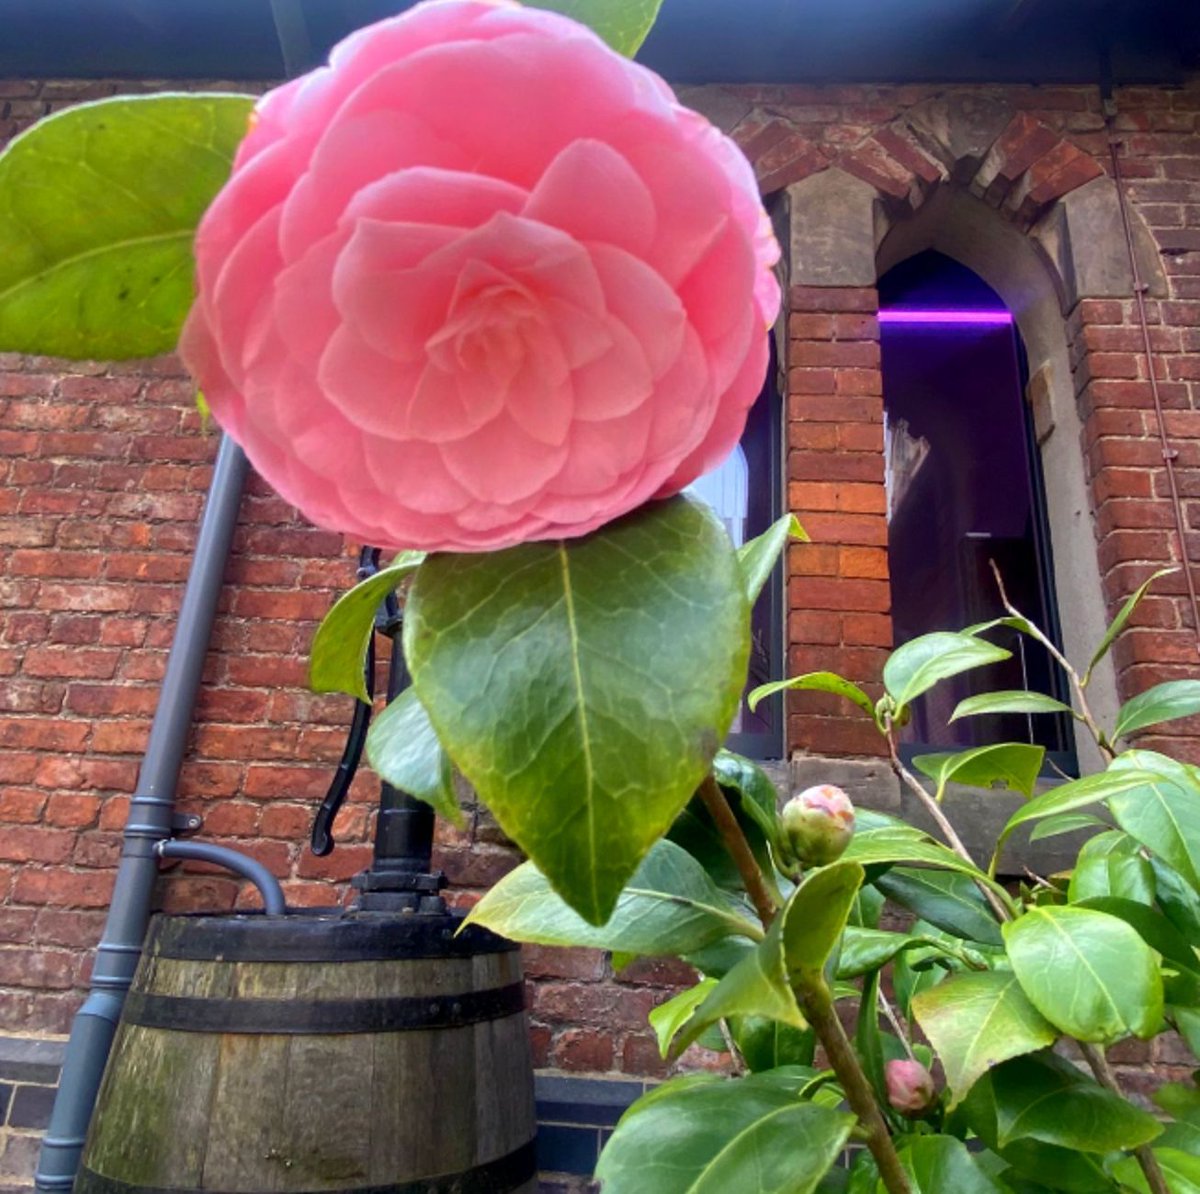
(910, 1087)
(819, 823)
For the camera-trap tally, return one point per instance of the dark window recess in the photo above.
(964, 488)
(745, 493)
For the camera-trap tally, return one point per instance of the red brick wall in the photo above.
(104, 472)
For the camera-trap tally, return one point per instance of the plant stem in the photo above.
(894, 1020)
(739, 849)
(940, 819)
(817, 1006)
(1145, 1157)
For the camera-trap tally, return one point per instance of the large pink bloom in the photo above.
(479, 281)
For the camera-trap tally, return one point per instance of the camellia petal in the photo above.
(481, 280)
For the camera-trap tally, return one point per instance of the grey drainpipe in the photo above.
(149, 823)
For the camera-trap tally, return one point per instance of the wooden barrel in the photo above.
(363, 1053)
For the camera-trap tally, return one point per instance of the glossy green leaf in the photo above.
(1180, 1100)
(1181, 1169)
(98, 209)
(815, 917)
(1178, 900)
(976, 1021)
(583, 687)
(766, 1044)
(815, 682)
(1163, 702)
(669, 1017)
(1112, 864)
(1118, 623)
(404, 750)
(339, 647)
(1090, 974)
(624, 24)
(1187, 1024)
(1075, 794)
(1012, 765)
(944, 898)
(1164, 813)
(1008, 701)
(942, 1165)
(669, 907)
(759, 557)
(909, 979)
(1064, 823)
(920, 663)
(1044, 1097)
(868, 1042)
(752, 1135)
(865, 950)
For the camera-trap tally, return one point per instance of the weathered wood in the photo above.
(293, 1109)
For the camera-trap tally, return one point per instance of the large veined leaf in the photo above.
(752, 1135)
(670, 906)
(759, 556)
(864, 950)
(1090, 974)
(1064, 823)
(624, 24)
(1118, 623)
(815, 917)
(1181, 1169)
(941, 1164)
(976, 1021)
(583, 687)
(918, 665)
(1112, 864)
(404, 750)
(98, 209)
(944, 898)
(1163, 702)
(1164, 814)
(340, 644)
(1013, 765)
(1008, 701)
(829, 682)
(766, 1044)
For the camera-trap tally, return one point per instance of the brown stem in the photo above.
(948, 832)
(1145, 1157)
(739, 849)
(817, 1006)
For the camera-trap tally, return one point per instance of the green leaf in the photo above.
(944, 898)
(1112, 864)
(1163, 702)
(759, 556)
(1065, 823)
(868, 1042)
(1181, 1169)
(1044, 1097)
(1090, 974)
(669, 1017)
(909, 980)
(624, 24)
(815, 917)
(766, 1044)
(1076, 793)
(1164, 814)
(1181, 1101)
(404, 750)
(583, 687)
(1013, 765)
(98, 209)
(815, 682)
(1118, 623)
(750, 1134)
(1187, 1024)
(941, 1165)
(865, 950)
(1008, 701)
(669, 907)
(1178, 900)
(976, 1021)
(920, 663)
(340, 645)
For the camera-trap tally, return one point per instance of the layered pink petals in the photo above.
(481, 281)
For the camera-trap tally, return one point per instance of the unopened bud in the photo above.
(819, 824)
(910, 1087)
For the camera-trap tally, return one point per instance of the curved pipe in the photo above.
(231, 860)
(149, 822)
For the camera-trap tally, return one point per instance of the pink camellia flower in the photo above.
(910, 1087)
(479, 281)
(819, 823)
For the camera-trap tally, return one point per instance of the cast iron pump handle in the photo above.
(387, 621)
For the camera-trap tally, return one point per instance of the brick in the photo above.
(875, 166)
(583, 1049)
(833, 298)
(818, 592)
(68, 889)
(1023, 141)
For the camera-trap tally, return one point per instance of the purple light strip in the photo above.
(992, 318)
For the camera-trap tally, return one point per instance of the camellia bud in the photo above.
(819, 823)
(910, 1087)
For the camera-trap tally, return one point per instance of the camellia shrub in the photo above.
(483, 292)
